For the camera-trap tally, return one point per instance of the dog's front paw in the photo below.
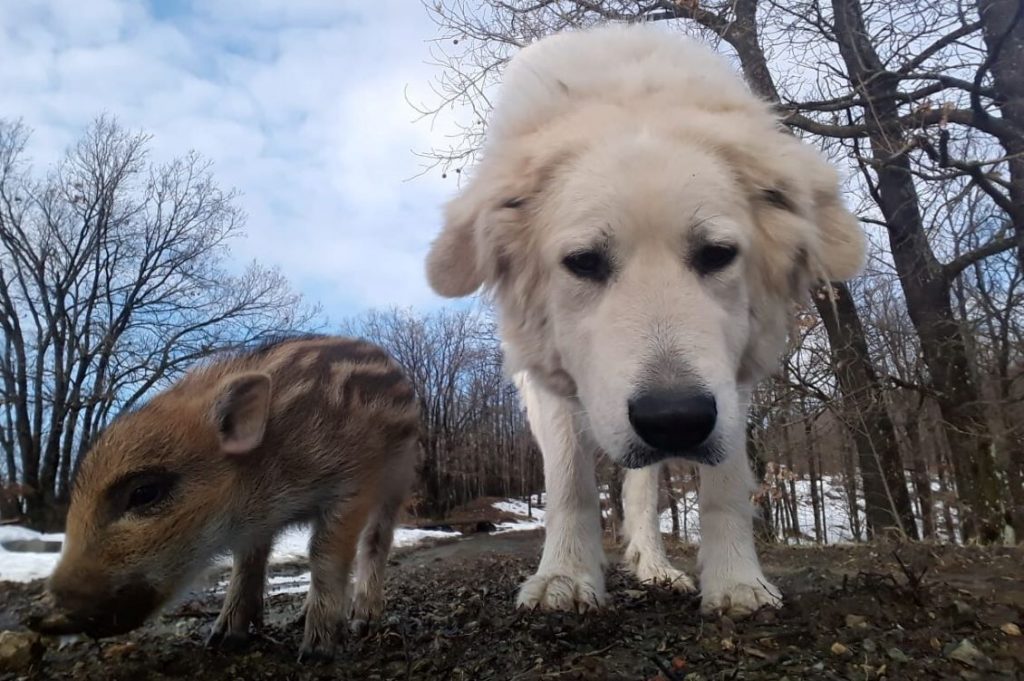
(658, 571)
(739, 598)
(577, 592)
(663, 574)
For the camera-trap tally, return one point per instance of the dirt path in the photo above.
(850, 613)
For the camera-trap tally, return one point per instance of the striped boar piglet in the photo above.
(319, 430)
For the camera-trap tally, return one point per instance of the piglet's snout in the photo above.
(72, 607)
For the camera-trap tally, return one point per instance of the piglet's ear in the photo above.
(240, 413)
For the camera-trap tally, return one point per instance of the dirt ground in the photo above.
(849, 613)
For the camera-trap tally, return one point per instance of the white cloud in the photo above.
(301, 105)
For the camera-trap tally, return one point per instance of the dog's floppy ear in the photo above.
(841, 241)
(452, 267)
(483, 226)
(804, 232)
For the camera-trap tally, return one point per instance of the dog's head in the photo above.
(647, 267)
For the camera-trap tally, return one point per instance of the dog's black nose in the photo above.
(673, 421)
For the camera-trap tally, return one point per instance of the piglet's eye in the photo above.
(145, 496)
(142, 492)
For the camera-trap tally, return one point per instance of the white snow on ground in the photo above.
(533, 518)
(291, 546)
(24, 567)
(837, 514)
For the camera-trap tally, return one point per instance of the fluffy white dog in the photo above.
(645, 226)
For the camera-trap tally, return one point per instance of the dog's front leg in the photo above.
(571, 571)
(731, 580)
(645, 553)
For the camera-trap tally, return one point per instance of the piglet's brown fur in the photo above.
(319, 429)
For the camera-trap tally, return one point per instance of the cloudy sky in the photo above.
(302, 105)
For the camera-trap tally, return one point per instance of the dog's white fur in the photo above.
(639, 144)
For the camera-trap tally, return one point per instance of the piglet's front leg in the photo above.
(332, 552)
(243, 603)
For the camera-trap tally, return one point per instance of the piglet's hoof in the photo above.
(228, 641)
(316, 654)
(51, 623)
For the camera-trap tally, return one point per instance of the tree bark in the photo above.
(925, 282)
(886, 500)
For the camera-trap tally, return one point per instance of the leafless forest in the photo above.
(900, 396)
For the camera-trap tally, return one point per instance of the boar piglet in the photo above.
(318, 430)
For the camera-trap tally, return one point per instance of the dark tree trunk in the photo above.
(924, 280)
(922, 480)
(673, 501)
(813, 474)
(886, 500)
(850, 488)
(1003, 27)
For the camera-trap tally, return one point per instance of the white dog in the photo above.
(645, 226)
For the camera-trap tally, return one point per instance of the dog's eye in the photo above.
(591, 265)
(714, 257)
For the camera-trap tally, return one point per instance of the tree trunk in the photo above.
(886, 500)
(1003, 27)
(812, 473)
(947, 496)
(924, 281)
(673, 501)
(850, 488)
(922, 480)
(763, 518)
(615, 496)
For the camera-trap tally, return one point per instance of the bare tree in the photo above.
(112, 282)
(475, 440)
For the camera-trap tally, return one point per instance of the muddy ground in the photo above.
(850, 613)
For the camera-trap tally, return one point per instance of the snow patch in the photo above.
(292, 546)
(533, 517)
(18, 566)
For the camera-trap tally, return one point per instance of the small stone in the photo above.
(118, 650)
(857, 622)
(967, 653)
(869, 645)
(961, 613)
(635, 594)
(19, 650)
(1010, 629)
(897, 655)
(839, 649)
